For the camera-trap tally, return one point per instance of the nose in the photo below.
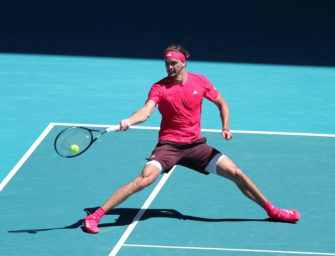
(169, 67)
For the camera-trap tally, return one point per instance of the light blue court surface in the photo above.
(38, 89)
(191, 214)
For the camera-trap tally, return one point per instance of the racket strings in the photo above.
(73, 141)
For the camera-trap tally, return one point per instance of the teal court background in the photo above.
(48, 194)
(39, 89)
(45, 200)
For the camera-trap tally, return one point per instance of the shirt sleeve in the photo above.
(154, 94)
(211, 93)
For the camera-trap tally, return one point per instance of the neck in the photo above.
(180, 78)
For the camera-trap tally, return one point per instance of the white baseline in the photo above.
(227, 249)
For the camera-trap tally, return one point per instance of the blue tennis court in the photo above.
(183, 213)
(273, 65)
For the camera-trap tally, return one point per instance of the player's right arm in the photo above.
(139, 116)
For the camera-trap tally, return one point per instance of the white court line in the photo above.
(159, 185)
(140, 213)
(212, 130)
(276, 133)
(226, 249)
(51, 125)
(26, 156)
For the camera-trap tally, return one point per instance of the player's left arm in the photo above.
(224, 114)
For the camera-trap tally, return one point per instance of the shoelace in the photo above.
(90, 222)
(281, 213)
(90, 217)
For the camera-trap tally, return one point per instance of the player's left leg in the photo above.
(225, 167)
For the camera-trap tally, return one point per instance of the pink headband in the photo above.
(174, 55)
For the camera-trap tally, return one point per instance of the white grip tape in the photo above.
(113, 128)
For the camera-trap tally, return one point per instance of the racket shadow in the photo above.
(127, 215)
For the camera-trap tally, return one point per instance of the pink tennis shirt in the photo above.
(180, 106)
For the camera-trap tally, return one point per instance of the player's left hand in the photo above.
(226, 134)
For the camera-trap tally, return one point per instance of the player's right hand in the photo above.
(124, 125)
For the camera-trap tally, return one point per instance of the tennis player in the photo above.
(179, 98)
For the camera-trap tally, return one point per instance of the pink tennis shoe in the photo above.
(276, 213)
(90, 224)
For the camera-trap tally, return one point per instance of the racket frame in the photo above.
(93, 139)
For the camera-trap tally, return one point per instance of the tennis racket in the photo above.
(73, 141)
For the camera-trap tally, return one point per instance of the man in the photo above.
(179, 98)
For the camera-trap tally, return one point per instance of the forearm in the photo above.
(142, 114)
(139, 116)
(224, 112)
(225, 116)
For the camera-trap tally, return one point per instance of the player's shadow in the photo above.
(127, 215)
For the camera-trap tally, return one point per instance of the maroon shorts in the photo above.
(195, 155)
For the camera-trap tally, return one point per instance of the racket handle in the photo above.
(113, 128)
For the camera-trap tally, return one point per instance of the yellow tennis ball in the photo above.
(74, 148)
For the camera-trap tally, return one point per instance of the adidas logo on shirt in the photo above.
(195, 92)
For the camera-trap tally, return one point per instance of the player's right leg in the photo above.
(148, 175)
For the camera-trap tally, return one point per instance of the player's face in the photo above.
(174, 67)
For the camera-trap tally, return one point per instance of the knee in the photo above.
(235, 174)
(137, 185)
(228, 169)
(239, 176)
(143, 181)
